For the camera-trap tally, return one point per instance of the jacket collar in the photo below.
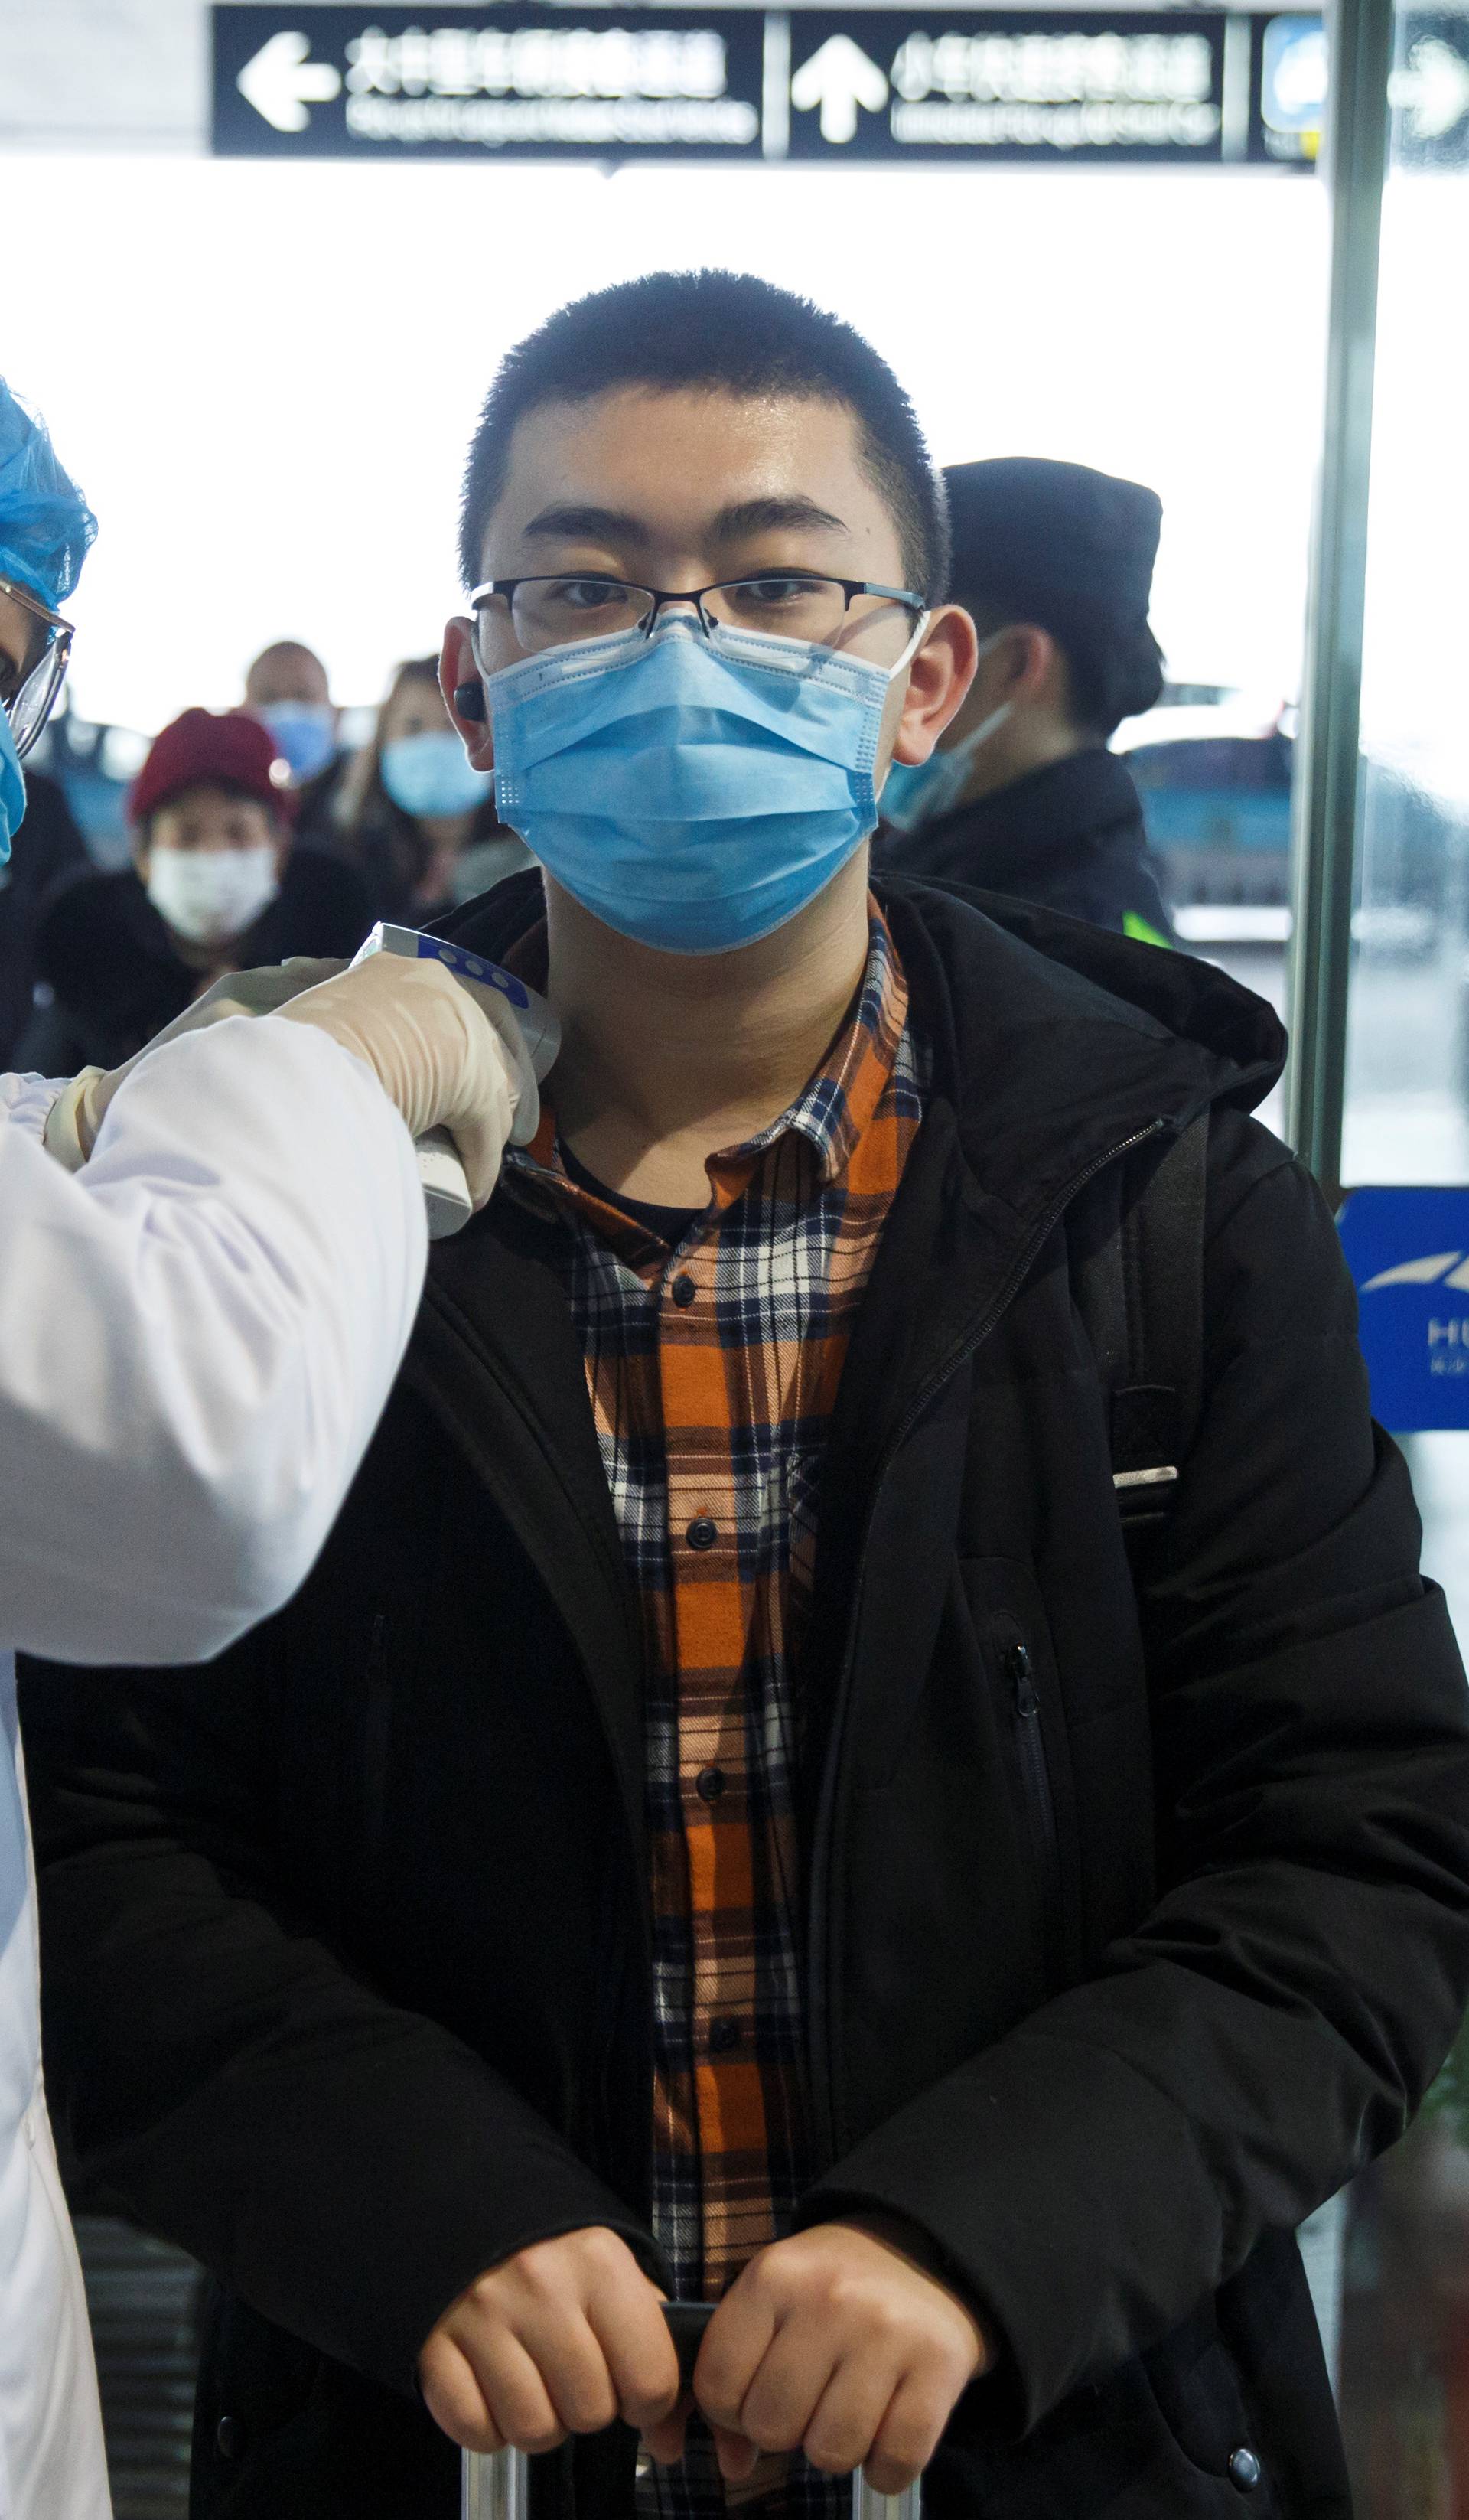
(1051, 1041)
(1087, 801)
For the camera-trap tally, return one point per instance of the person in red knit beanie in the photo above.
(212, 810)
(217, 885)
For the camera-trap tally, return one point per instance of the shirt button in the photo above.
(701, 1532)
(710, 1784)
(228, 2437)
(684, 1291)
(724, 2033)
(1244, 2470)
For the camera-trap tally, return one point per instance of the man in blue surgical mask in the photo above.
(726, 1818)
(287, 688)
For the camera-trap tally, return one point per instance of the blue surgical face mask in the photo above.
(12, 788)
(431, 774)
(925, 792)
(304, 733)
(692, 793)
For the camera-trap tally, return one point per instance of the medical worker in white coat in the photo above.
(208, 1268)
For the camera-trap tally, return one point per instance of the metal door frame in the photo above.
(1327, 803)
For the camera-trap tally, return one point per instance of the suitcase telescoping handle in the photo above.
(498, 2487)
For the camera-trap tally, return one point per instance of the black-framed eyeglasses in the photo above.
(37, 688)
(791, 604)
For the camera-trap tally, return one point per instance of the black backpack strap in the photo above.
(1141, 1293)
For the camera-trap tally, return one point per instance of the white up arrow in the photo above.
(281, 82)
(839, 78)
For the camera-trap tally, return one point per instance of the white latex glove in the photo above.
(447, 1052)
(76, 1116)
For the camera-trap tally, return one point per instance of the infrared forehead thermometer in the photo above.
(446, 1192)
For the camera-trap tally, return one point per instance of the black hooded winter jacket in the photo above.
(345, 1938)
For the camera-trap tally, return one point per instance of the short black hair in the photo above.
(1114, 671)
(728, 331)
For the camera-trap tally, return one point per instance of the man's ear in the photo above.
(937, 680)
(1033, 667)
(463, 689)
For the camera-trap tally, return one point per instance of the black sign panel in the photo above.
(513, 81)
(960, 85)
(580, 79)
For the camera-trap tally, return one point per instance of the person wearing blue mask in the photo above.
(1022, 795)
(414, 816)
(286, 688)
(209, 1265)
(805, 1779)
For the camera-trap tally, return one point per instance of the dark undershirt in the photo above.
(668, 1224)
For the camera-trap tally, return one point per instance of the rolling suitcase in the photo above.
(498, 2487)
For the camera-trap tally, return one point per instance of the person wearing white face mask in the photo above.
(1022, 797)
(217, 885)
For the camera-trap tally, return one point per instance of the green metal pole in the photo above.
(1327, 749)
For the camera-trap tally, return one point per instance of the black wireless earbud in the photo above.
(468, 699)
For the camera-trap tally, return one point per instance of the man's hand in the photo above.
(563, 2338)
(834, 2342)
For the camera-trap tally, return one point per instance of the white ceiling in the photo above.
(102, 74)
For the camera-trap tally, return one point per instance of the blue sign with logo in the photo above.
(1292, 74)
(1409, 1253)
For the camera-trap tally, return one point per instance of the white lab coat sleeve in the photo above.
(198, 1332)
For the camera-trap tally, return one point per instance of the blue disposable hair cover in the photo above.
(46, 527)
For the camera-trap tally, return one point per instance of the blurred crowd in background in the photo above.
(244, 837)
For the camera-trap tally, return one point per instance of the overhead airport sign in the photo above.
(536, 79)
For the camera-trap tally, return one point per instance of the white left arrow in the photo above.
(281, 82)
(839, 78)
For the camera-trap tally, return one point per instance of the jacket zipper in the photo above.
(819, 1994)
(1035, 1778)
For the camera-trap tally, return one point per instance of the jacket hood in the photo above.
(1188, 1000)
(1052, 1039)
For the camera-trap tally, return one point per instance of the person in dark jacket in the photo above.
(726, 1814)
(1054, 562)
(47, 847)
(216, 885)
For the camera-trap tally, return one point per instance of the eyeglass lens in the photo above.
(33, 702)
